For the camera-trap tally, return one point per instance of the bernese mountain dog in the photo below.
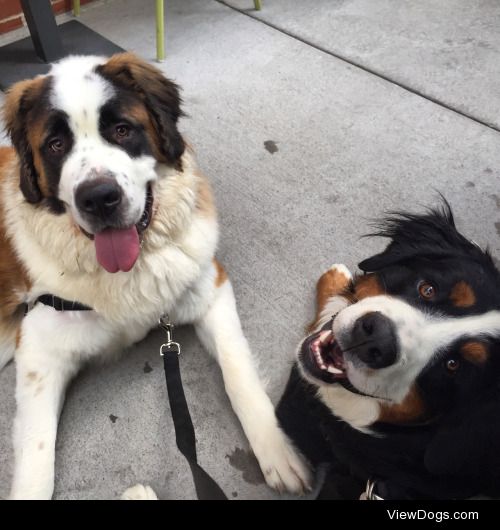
(397, 386)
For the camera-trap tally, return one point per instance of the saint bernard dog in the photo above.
(397, 385)
(102, 205)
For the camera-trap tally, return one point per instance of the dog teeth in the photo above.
(319, 360)
(325, 337)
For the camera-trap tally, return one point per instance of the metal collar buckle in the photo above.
(170, 346)
(369, 493)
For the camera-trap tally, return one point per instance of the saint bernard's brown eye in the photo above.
(56, 146)
(122, 131)
(452, 365)
(426, 290)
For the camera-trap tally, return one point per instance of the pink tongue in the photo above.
(117, 250)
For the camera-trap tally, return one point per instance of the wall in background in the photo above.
(11, 14)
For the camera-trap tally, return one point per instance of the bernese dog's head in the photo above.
(419, 336)
(89, 136)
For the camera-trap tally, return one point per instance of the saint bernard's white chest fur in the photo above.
(175, 258)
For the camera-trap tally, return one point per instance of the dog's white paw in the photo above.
(139, 492)
(283, 467)
(341, 269)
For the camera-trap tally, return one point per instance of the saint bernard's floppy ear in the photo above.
(159, 95)
(19, 101)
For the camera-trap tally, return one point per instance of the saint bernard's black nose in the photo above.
(373, 340)
(99, 198)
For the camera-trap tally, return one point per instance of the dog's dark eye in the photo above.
(56, 146)
(452, 365)
(426, 290)
(122, 130)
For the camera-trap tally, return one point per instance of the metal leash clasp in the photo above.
(170, 346)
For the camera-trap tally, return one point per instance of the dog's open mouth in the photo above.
(322, 357)
(117, 249)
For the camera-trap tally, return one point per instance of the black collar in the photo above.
(61, 305)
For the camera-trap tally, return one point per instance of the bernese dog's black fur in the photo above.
(455, 452)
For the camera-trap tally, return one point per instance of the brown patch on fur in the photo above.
(32, 376)
(14, 96)
(18, 336)
(25, 121)
(36, 136)
(7, 156)
(367, 286)
(462, 295)
(41, 445)
(410, 410)
(139, 114)
(331, 283)
(221, 273)
(14, 281)
(475, 352)
(160, 98)
(205, 200)
(38, 390)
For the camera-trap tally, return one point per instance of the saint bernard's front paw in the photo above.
(282, 465)
(139, 493)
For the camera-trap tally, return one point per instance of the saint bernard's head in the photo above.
(89, 136)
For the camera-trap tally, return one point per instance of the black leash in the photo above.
(206, 487)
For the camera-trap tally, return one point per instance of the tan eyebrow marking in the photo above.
(462, 295)
(368, 285)
(475, 352)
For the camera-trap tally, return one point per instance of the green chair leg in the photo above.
(160, 30)
(76, 8)
(257, 4)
